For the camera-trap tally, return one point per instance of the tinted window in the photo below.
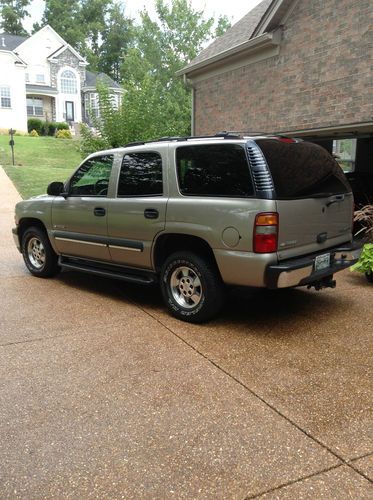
(141, 174)
(213, 170)
(92, 178)
(302, 169)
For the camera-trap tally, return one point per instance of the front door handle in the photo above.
(99, 212)
(151, 213)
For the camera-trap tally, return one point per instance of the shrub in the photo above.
(364, 217)
(365, 263)
(63, 134)
(35, 124)
(44, 129)
(62, 126)
(52, 128)
(33, 133)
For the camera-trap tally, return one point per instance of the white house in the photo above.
(43, 76)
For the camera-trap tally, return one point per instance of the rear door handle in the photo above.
(335, 199)
(151, 213)
(99, 212)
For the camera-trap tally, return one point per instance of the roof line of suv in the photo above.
(220, 135)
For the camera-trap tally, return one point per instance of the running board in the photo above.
(109, 271)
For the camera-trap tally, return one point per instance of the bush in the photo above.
(52, 127)
(33, 133)
(44, 129)
(63, 134)
(35, 124)
(62, 126)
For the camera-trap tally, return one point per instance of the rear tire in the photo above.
(191, 287)
(38, 254)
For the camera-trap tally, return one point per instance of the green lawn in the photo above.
(38, 161)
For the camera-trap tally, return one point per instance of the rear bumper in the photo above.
(301, 271)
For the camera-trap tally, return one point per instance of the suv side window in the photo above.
(214, 170)
(92, 178)
(141, 175)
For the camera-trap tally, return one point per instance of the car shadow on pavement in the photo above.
(263, 311)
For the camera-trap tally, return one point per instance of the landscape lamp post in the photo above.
(11, 142)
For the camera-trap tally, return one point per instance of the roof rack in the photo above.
(222, 135)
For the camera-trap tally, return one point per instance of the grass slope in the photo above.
(38, 161)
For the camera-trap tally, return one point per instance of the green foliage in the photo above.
(35, 124)
(12, 13)
(64, 17)
(63, 134)
(117, 37)
(45, 127)
(365, 263)
(155, 102)
(33, 133)
(62, 126)
(84, 24)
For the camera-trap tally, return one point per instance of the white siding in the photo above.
(13, 75)
(35, 51)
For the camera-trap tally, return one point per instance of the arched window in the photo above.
(68, 82)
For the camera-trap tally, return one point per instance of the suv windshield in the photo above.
(302, 169)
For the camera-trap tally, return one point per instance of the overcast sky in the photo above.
(234, 9)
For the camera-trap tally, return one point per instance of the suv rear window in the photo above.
(302, 169)
(213, 170)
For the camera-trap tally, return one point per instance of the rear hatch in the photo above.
(314, 199)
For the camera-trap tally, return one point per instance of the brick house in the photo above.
(43, 76)
(299, 67)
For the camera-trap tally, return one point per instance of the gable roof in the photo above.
(91, 80)
(11, 42)
(62, 49)
(252, 31)
(235, 36)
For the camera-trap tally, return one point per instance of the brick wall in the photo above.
(322, 77)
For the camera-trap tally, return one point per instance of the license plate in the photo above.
(322, 261)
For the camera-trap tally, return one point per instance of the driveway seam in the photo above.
(238, 381)
(295, 481)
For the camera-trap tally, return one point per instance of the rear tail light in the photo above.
(266, 232)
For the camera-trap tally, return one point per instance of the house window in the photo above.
(68, 82)
(40, 78)
(27, 77)
(91, 105)
(344, 151)
(34, 106)
(5, 101)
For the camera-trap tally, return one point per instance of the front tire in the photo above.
(38, 254)
(191, 287)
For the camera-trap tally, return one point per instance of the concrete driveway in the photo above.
(103, 395)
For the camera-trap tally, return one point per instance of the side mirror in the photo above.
(55, 188)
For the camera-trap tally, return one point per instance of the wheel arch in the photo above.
(27, 222)
(166, 244)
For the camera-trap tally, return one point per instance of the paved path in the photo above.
(103, 395)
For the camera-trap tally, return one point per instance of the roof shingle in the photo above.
(238, 34)
(11, 42)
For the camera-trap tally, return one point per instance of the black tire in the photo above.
(198, 299)
(38, 254)
(369, 277)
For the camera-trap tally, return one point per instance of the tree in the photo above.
(64, 17)
(155, 103)
(12, 13)
(162, 48)
(116, 39)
